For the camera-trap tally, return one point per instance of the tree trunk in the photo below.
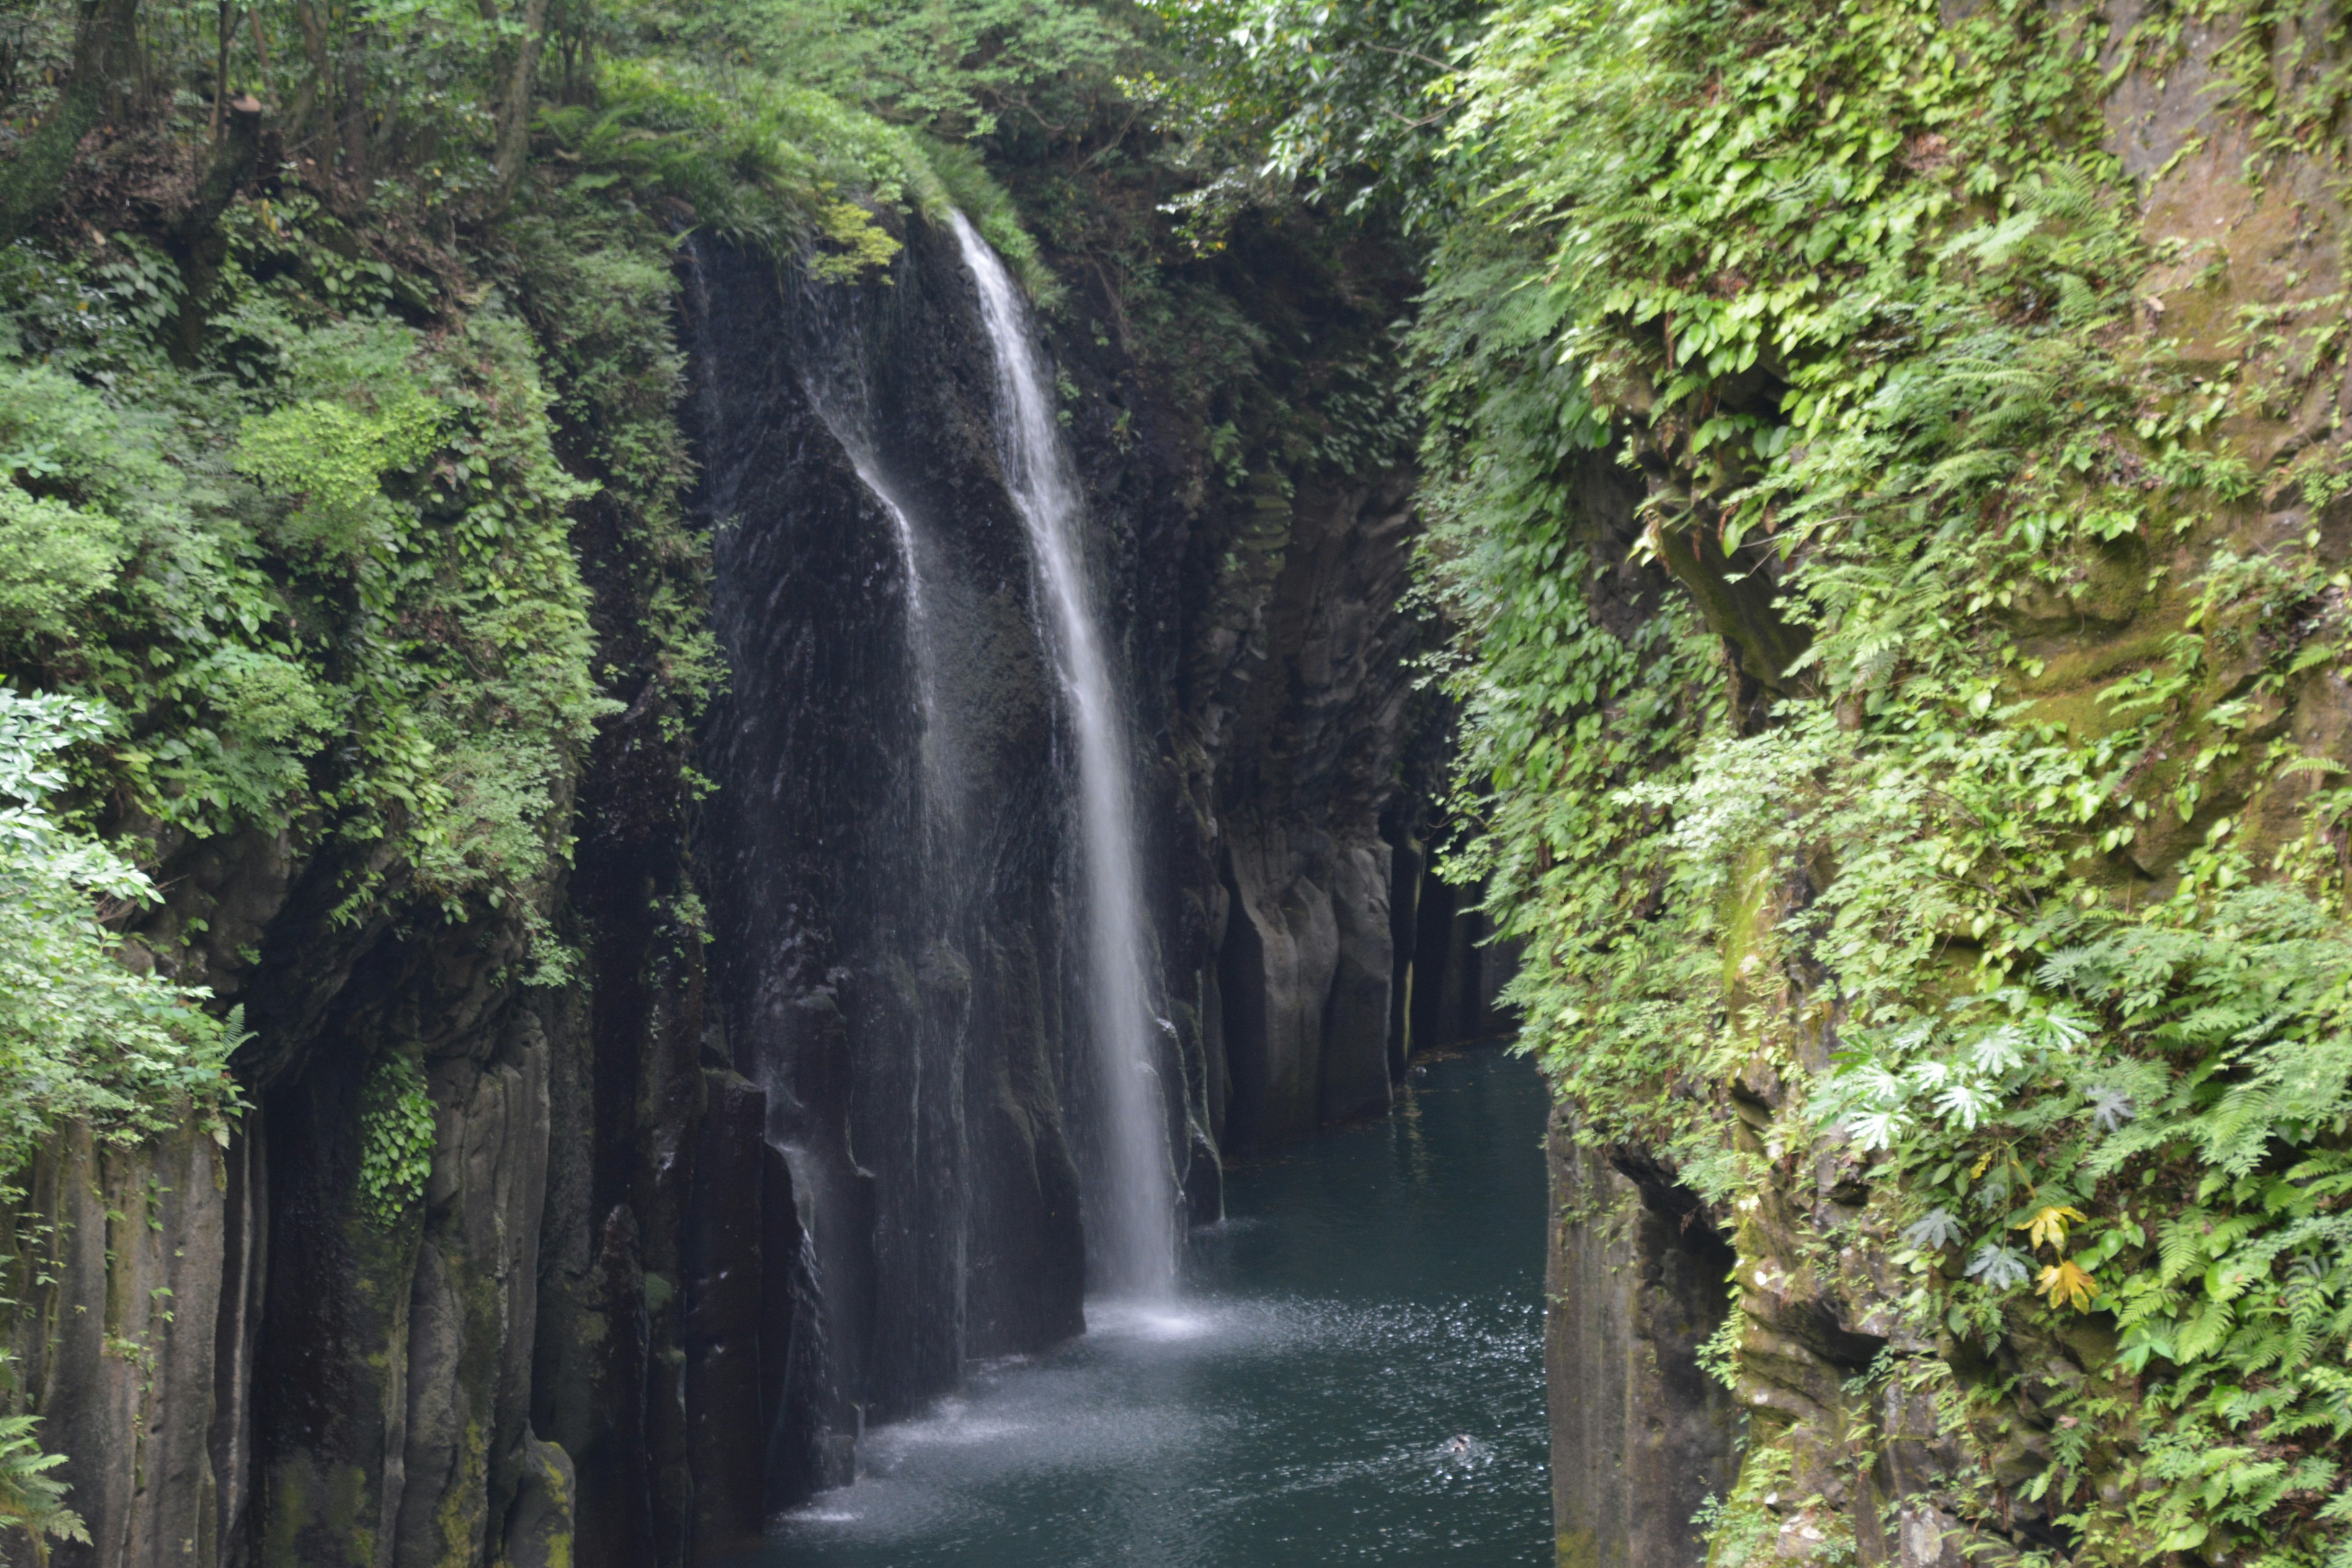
(226, 30)
(355, 125)
(314, 120)
(515, 104)
(196, 233)
(103, 78)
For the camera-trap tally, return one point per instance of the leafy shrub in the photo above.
(53, 559)
(30, 1499)
(83, 1036)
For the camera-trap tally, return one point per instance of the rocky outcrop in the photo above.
(1642, 1435)
(393, 1365)
(243, 1357)
(118, 1260)
(1293, 759)
(241, 1363)
(1317, 697)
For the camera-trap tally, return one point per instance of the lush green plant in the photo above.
(955, 68)
(770, 162)
(30, 1497)
(395, 1141)
(1345, 104)
(83, 1036)
(398, 572)
(426, 102)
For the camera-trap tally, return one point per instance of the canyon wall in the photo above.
(804, 1129)
(1848, 1426)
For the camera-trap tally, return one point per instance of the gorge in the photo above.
(932, 962)
(776, 780)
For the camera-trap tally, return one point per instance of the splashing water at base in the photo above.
(1132, 1239)
(1377, 1294)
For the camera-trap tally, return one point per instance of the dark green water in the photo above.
(1373, 1295)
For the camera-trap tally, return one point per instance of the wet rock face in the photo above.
(391, 1370)
(116, 1248)
(1641, 1436)
(1311, 710)
(887, 889)
(242, 1365)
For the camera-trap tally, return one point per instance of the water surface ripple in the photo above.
(1375, 1294)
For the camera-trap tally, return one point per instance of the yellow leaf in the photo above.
(2049, 1226)
(2062, 1282)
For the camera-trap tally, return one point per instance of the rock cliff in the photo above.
(803, 1130)
(1855, 1425)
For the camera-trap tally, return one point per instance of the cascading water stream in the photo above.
(1134, 1218)
(834, 377)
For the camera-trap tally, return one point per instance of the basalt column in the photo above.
(884, 862)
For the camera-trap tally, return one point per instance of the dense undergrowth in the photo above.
(1970, 793)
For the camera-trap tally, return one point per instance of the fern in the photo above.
(31, 1499)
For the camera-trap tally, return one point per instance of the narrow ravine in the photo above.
(1374, 1294)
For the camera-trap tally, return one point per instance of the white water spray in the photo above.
(942, 787)
(1135, 1222)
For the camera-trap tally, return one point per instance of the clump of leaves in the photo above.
(31, 1500)
(83, 1036)
(395, 1141)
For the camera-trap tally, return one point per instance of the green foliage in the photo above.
(31, 1500)
(1563, 703)
(395, 1141)
(307, 535)
(397, 570)
(1719, 1353)
(53, 559)
(773, 164)
(596, 281)
(955, 68)
(83, 1037)
(1740, 1528)
(1346, 104)
(409, 101)
(331, 458)
(2179, 1084)
(1810, 784)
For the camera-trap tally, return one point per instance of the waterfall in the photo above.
(1133, 1217)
